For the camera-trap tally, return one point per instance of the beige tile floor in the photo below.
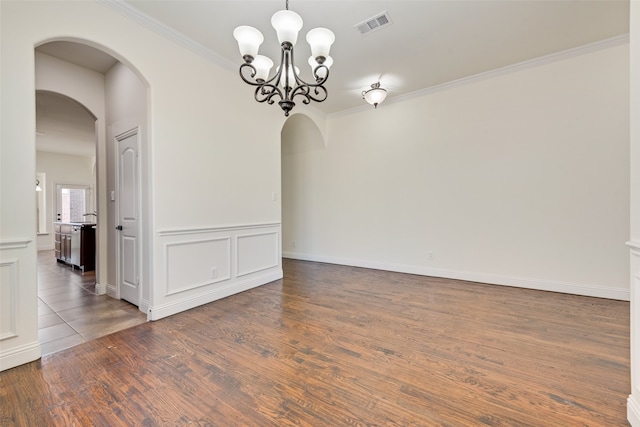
(69, 311)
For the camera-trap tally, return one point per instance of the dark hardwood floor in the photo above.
(339, 346)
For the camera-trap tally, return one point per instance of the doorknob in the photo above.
(118, 227)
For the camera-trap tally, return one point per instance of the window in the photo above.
(74, 201)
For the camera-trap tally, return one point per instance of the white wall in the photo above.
(126, 108)
(633, 403)
(61, 169)
(520, 179)
(211, 175)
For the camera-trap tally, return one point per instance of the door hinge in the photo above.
(137, 280)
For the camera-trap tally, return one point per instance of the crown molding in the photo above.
(167, 32)
(520, 66)
(179, 38)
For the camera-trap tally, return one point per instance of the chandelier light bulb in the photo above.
(249, 41)
(287, 25)
(263, 65)
(320, 40)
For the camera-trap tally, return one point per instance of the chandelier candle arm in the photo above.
(286, 83)
(320, 70)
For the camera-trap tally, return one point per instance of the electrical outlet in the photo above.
(431, 256)
(294, 244)
(214, 272)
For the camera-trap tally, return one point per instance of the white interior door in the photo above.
(127, 228)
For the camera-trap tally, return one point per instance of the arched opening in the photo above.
(79, 98)
(300, 137)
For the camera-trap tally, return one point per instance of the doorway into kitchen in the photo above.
(74, 302)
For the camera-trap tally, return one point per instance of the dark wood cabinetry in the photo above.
(75, 244)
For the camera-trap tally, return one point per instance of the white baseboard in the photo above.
(145, 307)
(164, 310)
(111, 291)
(492, 279)
(101, 289)
(20, 355)
(633, 411)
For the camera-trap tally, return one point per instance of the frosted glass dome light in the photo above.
(287, 25)
(320, 40)
(249, 41)
(263, 65)
(375, 95)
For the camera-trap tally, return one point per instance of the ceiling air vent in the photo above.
(378, 22)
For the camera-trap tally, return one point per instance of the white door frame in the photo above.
(139, 250)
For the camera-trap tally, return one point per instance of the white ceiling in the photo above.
(64, 126)
(429, 43)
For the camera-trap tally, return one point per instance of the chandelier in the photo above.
(285, 85)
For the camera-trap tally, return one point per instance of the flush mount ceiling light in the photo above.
(375, 95)
(285, 84)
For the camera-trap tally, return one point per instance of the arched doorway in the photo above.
(300, 136)
(90, 76)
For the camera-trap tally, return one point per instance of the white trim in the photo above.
(112, 291)
(179, 38)
(13, 265)
(20, 355)
(634, 245)
(201, 230)
(167, 32)
(100, 289)
(164, 310)
(255, 270)
(145, 307)
(18, 243)
(493, 279)
(508, 69)
(633, 411)
(168, 246)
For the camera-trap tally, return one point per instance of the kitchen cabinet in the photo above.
(75, 244)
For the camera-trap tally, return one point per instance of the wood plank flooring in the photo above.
(340, 346)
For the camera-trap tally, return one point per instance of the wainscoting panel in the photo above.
(18, 303)
(194, 264)
(200, 265)
(8, 298)
(633, 402)
(257, 252)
